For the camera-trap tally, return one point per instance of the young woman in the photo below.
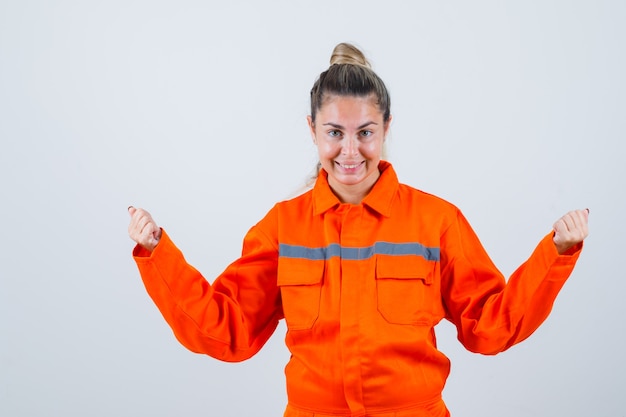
(361, 268)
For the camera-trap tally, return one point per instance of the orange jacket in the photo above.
(361, 288)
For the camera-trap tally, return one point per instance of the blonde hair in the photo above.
(345, 53)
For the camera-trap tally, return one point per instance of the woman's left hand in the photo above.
(570, 230)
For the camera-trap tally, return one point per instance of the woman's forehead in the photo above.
(350, 107)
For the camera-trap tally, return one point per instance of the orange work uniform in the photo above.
(361, 288)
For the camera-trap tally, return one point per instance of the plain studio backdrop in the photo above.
(514, 111)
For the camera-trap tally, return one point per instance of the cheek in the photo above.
(373, 149)
(327, 150)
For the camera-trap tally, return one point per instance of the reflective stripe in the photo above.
(358, 254)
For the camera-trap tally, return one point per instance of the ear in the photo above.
(309, 121)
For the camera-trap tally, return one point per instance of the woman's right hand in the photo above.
(143, 229)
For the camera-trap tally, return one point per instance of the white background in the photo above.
(514, 111)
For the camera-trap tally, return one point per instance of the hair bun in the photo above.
(346, 53)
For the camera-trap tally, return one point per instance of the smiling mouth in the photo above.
(348, 166)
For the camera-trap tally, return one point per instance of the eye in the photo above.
(334, 133)
(366, 133)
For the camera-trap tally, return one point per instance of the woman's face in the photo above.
(349, 133)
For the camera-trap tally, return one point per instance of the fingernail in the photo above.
(129, 207)
(588, 211)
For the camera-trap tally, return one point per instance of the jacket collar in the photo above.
(379, 198)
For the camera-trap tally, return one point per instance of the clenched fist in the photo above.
(570, 230)
(143, 229)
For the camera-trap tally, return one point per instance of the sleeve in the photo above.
(492, 314)
(230, 320)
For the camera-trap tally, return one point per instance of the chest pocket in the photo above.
(300, 283)
(406, 289)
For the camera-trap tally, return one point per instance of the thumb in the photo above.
(131, 210)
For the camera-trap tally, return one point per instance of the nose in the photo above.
(350, 146)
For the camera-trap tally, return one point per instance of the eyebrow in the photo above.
(336, 126)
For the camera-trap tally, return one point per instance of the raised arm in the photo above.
(490, 313)
(229, 319)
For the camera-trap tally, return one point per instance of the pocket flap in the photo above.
(404, 267)
(293, 271)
